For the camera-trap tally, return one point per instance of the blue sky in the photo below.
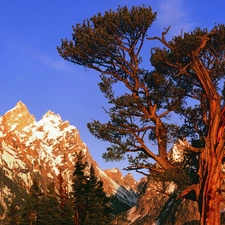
(32, 71)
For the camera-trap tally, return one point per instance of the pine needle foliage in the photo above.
(186, 81)
(91, 205)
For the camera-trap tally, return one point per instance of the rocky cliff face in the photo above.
(158, 203)
(47, 147)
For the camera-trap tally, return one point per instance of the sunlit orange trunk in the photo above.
(209, 197)
(210, 162)
(210, 168)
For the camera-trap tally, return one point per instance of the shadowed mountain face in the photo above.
(45, 148)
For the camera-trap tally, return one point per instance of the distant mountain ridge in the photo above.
(48, 147)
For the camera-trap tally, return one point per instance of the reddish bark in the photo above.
(210, 168)
(209, 197)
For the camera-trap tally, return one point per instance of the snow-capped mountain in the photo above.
(47, 147)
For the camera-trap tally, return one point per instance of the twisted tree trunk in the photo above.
(210, 165)
(209, 197)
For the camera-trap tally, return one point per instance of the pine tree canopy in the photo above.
(112, 44)
(186, 81)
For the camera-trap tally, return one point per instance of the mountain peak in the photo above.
(129, 180)
(114, 174)
(50, 113)
(48, 148)
(52, 116)
(17, 118)
(20, 106)
(50, 119)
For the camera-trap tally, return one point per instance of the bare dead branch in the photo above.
(143, 173)
(193, 187)
(150, 168)
(162, 39)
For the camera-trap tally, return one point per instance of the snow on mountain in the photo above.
(124, 192)
(49, 147)
(176, 154)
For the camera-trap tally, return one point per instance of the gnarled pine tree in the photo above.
(189, 67)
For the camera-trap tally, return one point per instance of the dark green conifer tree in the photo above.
(91, 204)
(13, 214)
(30, 210)
(40, 208)
(67, 213)
(66, 204)
(79, 190)
(49, 208)
(98, 204)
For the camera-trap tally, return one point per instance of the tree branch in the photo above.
(162, 39)
(187, 190)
